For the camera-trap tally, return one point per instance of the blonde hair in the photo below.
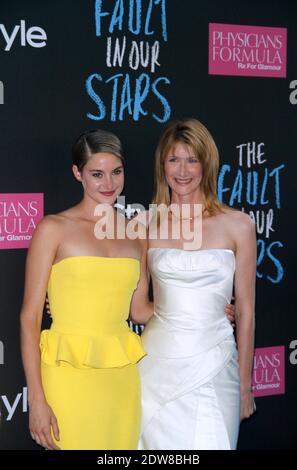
(194, 134)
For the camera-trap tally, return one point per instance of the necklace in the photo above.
(186, 218)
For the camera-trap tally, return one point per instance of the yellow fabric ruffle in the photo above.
(84, 351)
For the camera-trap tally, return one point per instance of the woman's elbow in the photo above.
(140, 315)
(136, 318)
(30, 321)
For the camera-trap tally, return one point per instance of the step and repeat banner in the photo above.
(129, 66)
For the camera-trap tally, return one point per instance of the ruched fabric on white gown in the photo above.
(190, 377)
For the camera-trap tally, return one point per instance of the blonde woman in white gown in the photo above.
(196, 383)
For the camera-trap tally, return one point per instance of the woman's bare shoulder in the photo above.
(52, 224)
(239, 222)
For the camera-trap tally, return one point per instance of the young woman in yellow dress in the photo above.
(83, 382)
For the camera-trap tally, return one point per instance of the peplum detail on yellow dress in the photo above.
(86, 351)
(89, 355)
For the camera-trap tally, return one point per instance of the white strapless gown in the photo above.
(190, 377)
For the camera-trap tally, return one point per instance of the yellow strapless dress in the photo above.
(89, 355)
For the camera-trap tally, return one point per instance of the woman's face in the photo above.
(102, 177)
(183, 171)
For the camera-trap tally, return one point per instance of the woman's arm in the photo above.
(141, 308)
(230, 313)
(245, 277)
(40, 258)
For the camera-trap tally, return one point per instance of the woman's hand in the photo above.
(41, 420)
(247, 404)
(230, 313)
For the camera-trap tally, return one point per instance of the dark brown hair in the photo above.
(95, 141)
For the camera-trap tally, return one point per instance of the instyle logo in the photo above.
(33, 36)
(19, 215)
(254, 51)
(269, 371)
(11, 404)
(1, 93)
(1, 353)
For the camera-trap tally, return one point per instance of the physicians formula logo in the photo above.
(253, 51)
(269, 371)
(19, 215)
